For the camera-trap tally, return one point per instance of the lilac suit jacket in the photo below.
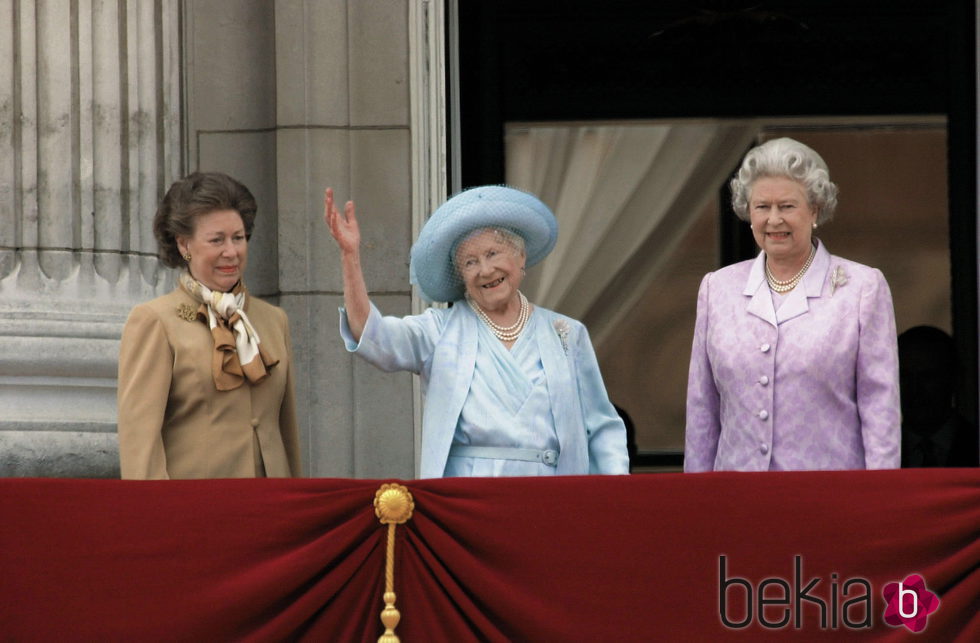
(813, 385)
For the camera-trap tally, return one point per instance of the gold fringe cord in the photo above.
(393, 505)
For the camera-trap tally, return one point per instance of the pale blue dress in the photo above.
(544, 396)
(507, 406)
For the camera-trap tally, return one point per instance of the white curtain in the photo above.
(624, 196)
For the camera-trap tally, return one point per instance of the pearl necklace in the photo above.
(504, 333)
(790, 284)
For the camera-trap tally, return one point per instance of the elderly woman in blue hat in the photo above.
(511, 389)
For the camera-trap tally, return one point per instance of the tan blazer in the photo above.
(174, 423)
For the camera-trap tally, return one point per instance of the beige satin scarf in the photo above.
(238, 353)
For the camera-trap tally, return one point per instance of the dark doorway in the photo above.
(578, 60)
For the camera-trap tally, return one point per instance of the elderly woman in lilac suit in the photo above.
(511, 389)
(794, 364)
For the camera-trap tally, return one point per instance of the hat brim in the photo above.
(431, 267)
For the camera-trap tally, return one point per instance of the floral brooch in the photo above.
(187, 312)
(561, 327)
(837, 279)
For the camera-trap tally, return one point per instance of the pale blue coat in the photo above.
(440, 346)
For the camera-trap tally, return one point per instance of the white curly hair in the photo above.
(792, 159)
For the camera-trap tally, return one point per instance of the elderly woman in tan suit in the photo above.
(205, 372)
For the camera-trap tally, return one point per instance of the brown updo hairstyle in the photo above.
(188, 198)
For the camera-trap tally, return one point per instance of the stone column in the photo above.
(89, 139)
(293, 96)
(343, 120)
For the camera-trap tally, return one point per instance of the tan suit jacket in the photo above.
(174, 423)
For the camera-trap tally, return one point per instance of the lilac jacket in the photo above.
(813, 385)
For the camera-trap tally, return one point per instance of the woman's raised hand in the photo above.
(343, 228)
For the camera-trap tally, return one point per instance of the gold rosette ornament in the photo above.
(393, 505)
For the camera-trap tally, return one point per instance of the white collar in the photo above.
(796, 304)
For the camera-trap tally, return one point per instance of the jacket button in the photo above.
(764, 380)
(255, 421)
(764, 448)
(763, 414)
(764, 348)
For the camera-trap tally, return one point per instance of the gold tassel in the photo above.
(393, 505)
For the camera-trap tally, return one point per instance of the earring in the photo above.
(187, 257)
(814, 225)
(523, 272)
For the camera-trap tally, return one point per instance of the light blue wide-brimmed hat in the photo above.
(432, 268)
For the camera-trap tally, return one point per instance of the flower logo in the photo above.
(909, 603)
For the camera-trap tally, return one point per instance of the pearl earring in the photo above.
(814, 225)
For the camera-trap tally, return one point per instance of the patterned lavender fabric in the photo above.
(813, 385)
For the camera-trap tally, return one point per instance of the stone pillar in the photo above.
(105, 102)
(89, 139)
(343, 120)
(293, 96)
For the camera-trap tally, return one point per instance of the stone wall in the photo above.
(109, 103)
(90, 100)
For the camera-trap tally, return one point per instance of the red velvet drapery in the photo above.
(571, 559)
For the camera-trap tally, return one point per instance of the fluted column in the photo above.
(89, 137)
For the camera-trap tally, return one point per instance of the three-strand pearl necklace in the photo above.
(504, 333)
(790, 284)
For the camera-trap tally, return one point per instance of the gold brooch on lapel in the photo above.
(837, 278)
(187, 312)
